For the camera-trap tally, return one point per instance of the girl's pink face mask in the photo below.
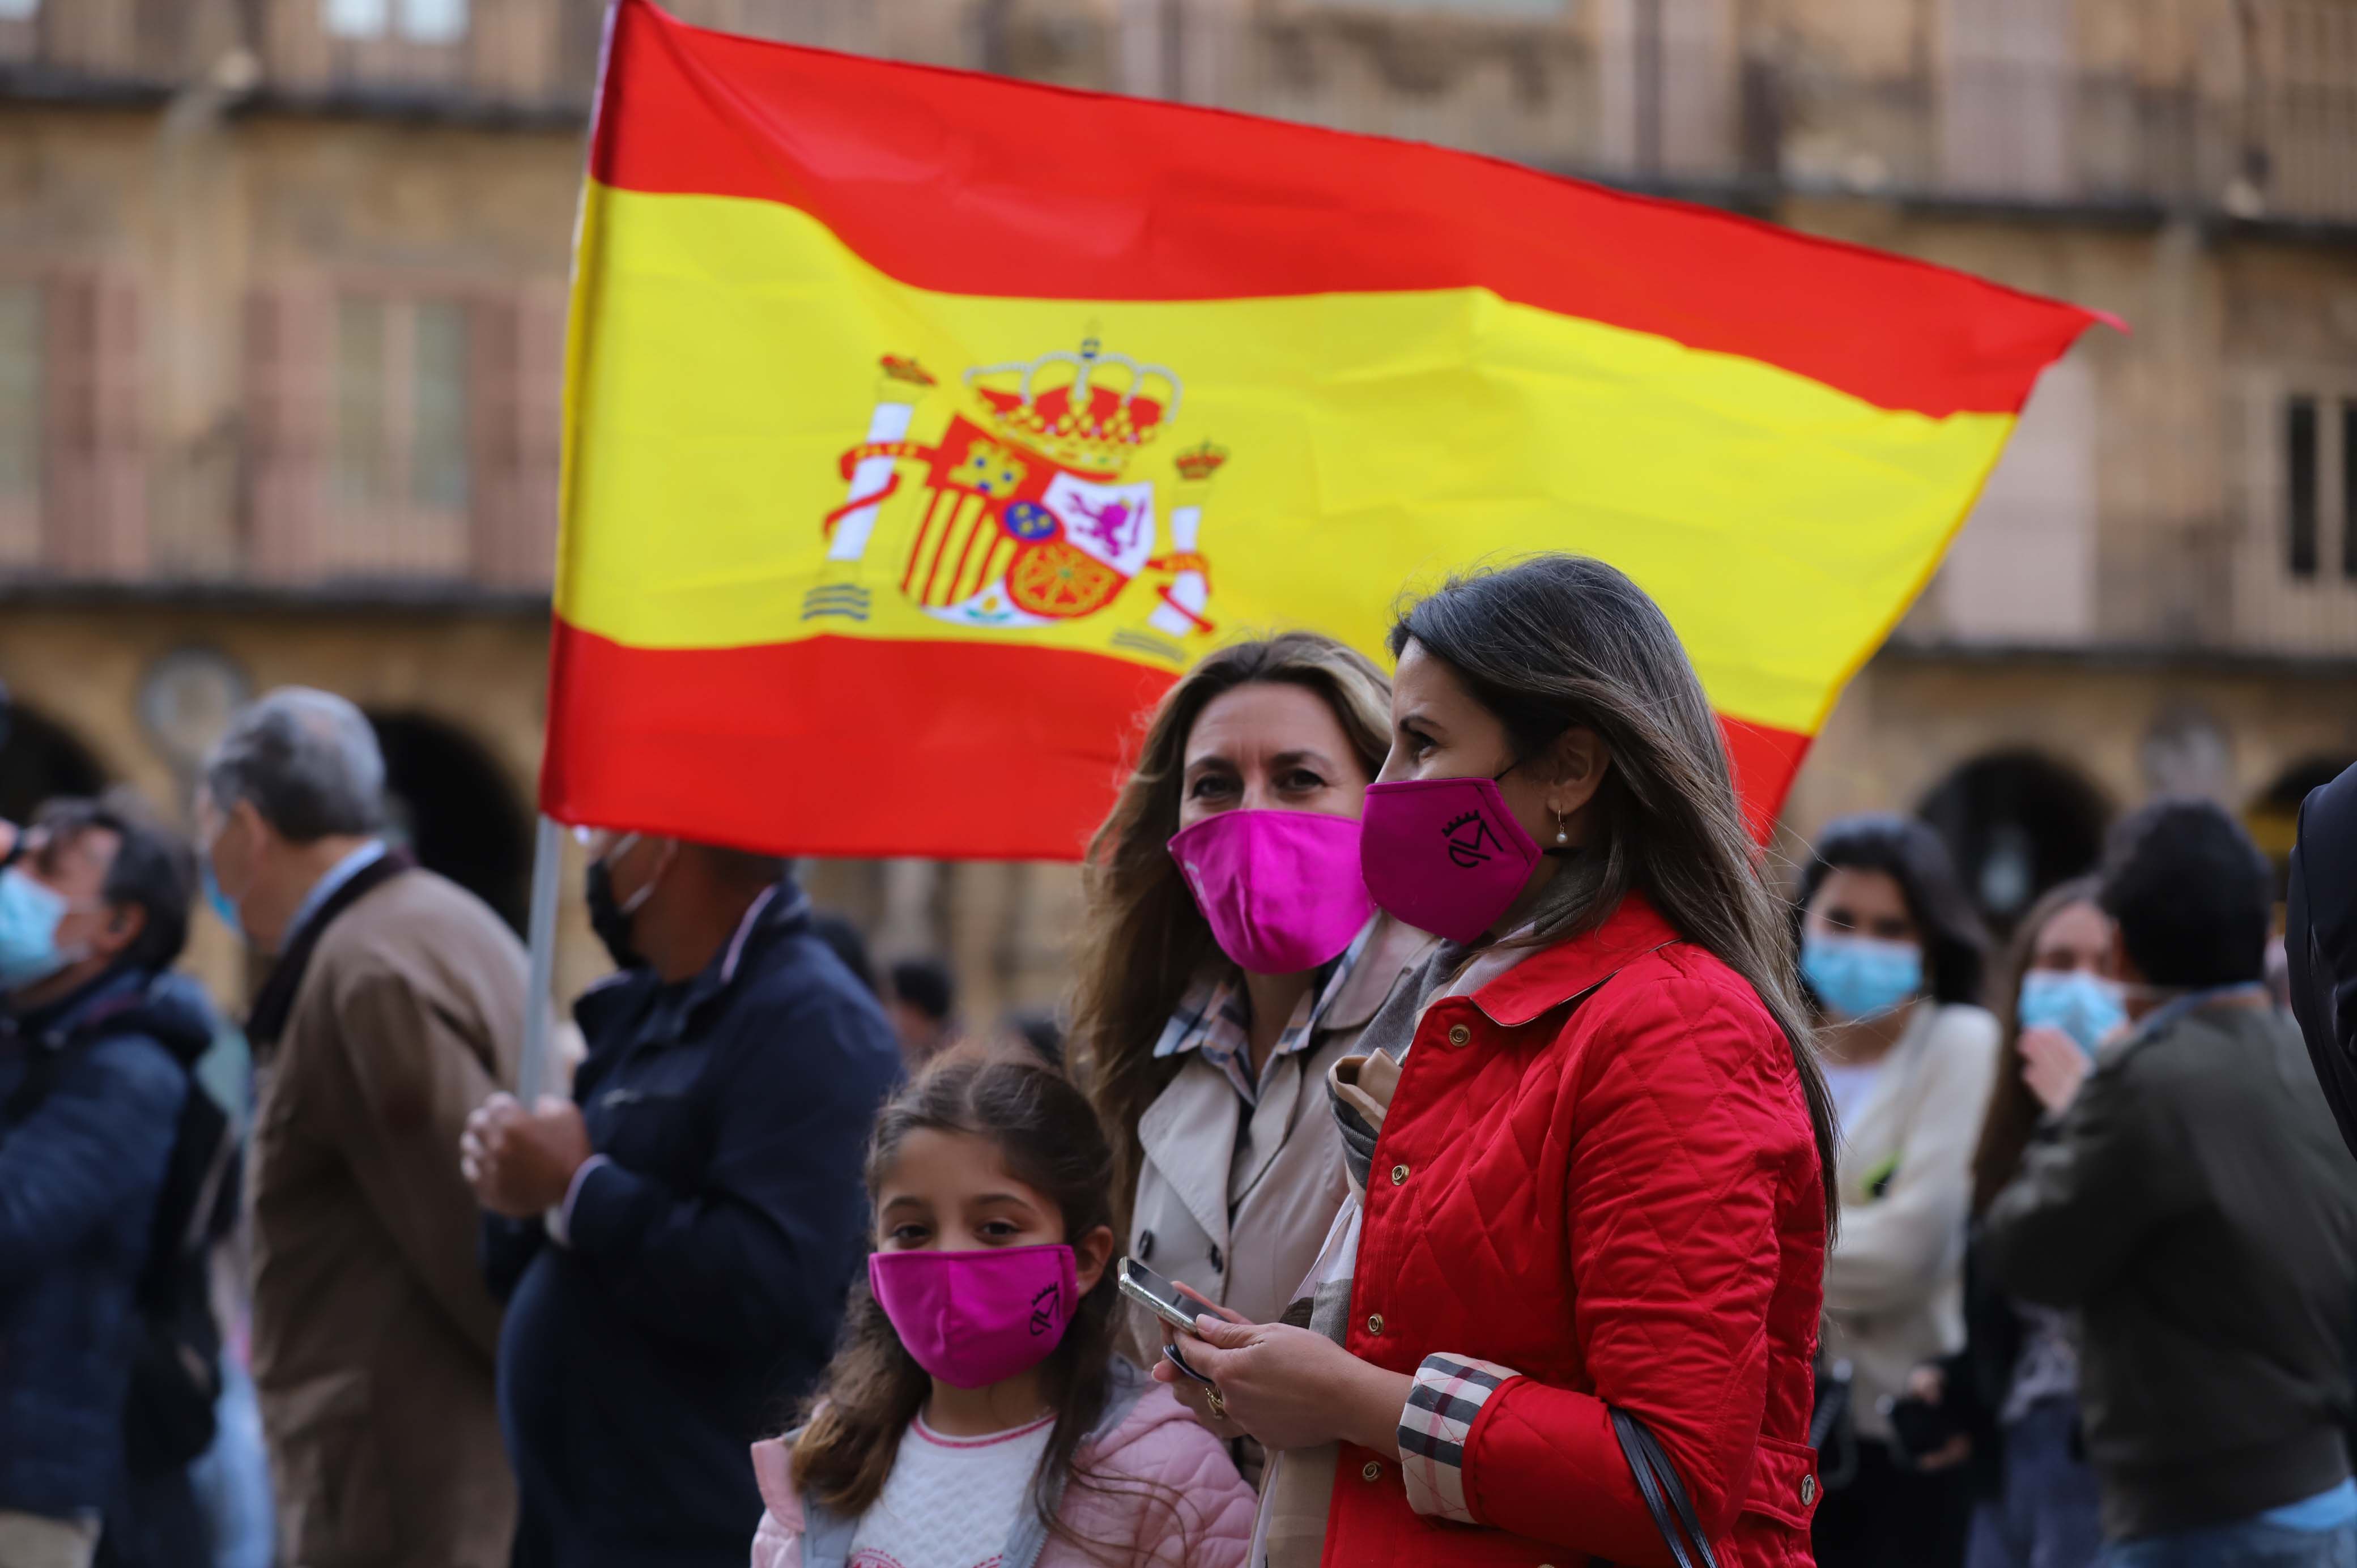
(977, 1317)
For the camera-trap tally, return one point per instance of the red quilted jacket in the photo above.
(1597, 1171)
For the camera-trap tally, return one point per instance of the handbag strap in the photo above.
(1664, 1494)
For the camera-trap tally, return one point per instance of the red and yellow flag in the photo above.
(922, 426)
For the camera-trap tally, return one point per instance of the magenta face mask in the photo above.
(977, 1317)
(1444, 854)
(1281, 889)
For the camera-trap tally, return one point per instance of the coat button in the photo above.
(1399, 1176)
(1374, 1323)
(1808, 1490)
(1219, 1265)
(1145, 1246)
(1458, 1035)
(1373, 1472)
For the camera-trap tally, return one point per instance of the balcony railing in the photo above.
(214, 517)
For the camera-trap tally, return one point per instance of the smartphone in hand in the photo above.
(1159, 1295)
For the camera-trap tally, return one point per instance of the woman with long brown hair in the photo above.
(2013, 1388)
(1591, 1136)
(1229, 958)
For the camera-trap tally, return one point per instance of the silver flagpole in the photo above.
(547, 863)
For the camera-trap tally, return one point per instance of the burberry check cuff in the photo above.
(1449, 1392)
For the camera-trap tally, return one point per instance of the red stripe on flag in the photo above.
(843, 746)
(853, 747)
(1763, 761)
(975, 185)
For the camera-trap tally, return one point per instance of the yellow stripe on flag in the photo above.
(1372, 441)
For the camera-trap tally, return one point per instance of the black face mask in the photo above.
(605, 917)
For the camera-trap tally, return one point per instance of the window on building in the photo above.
(438, 450)
(359, 402)
(419, 21)
(401, 424)
(359, 18)
(433, 21)
(20, 393)
(2300, 483)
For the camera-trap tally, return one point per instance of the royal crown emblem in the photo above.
(1025, 509)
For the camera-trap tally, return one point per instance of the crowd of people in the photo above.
(1542, 1186)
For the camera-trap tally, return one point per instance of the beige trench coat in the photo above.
(1245, 1233)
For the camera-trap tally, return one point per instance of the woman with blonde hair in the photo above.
(1232, 954)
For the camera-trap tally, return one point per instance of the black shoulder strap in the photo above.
(1665, 1494)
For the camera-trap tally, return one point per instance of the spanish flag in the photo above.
(922, 427)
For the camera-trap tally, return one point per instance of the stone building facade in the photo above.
(281, 314)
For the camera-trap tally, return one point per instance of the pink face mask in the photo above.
(977, 1317)
(1444, 854)
(1281, 889)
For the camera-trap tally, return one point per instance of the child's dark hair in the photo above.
(1048, 1135)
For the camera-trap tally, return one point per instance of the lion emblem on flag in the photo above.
(1024, 510)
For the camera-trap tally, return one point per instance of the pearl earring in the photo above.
(1562, 835)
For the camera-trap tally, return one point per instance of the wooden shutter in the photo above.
(288, 402)
(93, 501)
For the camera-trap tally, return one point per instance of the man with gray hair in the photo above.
(395, 1008)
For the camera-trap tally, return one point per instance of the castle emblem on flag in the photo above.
(1026, 509)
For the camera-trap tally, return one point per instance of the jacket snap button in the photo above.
(1458, 1034)
(1399, 1176)
(1374, 1323)
(1808, 1490)
(1373, 1472)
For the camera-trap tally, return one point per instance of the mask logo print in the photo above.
(1470, 842)
(1045, 1308)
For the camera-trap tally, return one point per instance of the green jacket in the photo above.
(2196, 1207)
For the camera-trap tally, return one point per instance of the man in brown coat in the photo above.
(395, 1008)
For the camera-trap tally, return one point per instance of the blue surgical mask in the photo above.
(29, 913)
(222, 908)
(2082, 1005)
(1858, 977)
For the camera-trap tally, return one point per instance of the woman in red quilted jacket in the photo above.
(1590, 1142)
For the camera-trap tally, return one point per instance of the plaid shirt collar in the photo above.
(1215, 1017)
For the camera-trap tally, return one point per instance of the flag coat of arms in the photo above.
(922, 426)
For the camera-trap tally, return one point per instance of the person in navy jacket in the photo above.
(676, 1242)
(97, 1035)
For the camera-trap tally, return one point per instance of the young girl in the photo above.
(977, 1415)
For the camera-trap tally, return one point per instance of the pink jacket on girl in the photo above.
(1152, 1438)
